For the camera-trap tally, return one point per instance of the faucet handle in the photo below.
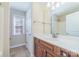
(55, 35)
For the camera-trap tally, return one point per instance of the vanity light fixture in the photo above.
(54, 5)
(48, 4)
(57, 4)
(53, 8)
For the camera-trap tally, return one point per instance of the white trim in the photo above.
(17, 45)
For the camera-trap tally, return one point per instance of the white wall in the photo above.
(1, 29)
(37, 17)
(41, 20)
(29, 37)
(16, 39)
(4, 28)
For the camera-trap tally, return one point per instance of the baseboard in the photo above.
(17, 45)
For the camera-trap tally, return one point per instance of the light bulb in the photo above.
(53, 7)
(48, 4)
(58, 4)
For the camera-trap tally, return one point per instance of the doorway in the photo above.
(18, 26)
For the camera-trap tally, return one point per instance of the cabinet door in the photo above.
(57, 51)
(40, 52)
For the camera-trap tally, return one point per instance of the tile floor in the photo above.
(21, 51)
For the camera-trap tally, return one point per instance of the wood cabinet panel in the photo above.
(46, 45)
(57, 50)
(44, 49)
(39, 52)
(50, 54)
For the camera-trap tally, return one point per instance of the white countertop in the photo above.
(71, 44)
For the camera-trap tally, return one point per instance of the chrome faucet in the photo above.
(55, 35)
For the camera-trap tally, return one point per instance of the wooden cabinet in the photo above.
(44, 49)
(39, 50)
(50, 54)
(67, 53)
(56, 50)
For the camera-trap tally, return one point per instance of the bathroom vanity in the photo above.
(46, 48)
(65, 24)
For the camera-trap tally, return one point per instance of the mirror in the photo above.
(72, 24)
(66, 22)
(59, 25)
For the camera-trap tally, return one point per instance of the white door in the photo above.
(17, 31)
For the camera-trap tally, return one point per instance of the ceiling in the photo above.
(67, 8)
(23, 6)
(64, 9)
